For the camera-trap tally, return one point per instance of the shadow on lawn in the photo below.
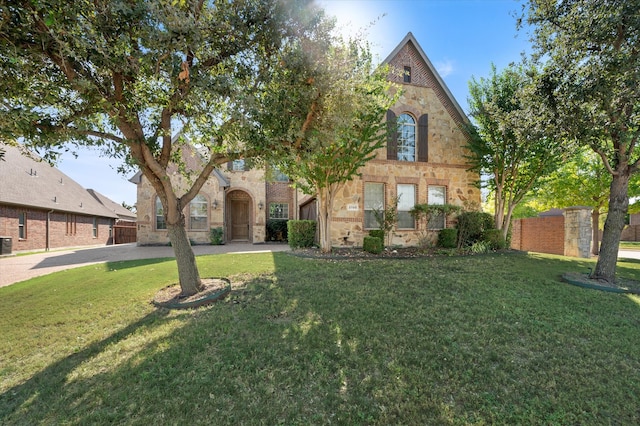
(45, 395)
(322, 342)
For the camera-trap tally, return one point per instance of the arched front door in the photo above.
(239, 215)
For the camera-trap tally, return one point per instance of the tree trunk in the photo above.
(498, 215)
(595, 224)
(618, 205)
(324, 219)
(188, 274)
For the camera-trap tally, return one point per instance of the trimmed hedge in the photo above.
(372, 244)
(301, 233)
(448, 238)
(378, 233)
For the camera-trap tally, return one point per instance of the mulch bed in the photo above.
(214, 289)
(358, 253)
(621, 285)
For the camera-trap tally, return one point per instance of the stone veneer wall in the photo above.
(577, 232)
(446, 164)
(568, 235)
(251, 182)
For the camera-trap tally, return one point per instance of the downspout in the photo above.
(47, 236)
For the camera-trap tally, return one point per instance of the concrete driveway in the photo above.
(19, 268)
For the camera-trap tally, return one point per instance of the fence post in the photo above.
(577, 232)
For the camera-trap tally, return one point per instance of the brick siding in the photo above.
(36, 229)
(539, 234)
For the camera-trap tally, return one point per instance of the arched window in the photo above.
(406, 138)
(160, 222)
(198, 213)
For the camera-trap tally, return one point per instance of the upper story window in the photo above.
(406, 138)
(237, 165)
(407, 74)
(160, 222)
(278, 176)
(198, 213)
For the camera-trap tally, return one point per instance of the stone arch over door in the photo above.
(240, 216)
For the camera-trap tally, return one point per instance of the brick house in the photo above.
(424, 163)
(42, 208)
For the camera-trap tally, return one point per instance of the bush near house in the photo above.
(277, 230)
(378, 233)
(494, 238)
(301, 233)
(471, 226)
(448, 238)
(216, 235)
(372, 244)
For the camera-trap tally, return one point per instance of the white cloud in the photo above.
(445, 67)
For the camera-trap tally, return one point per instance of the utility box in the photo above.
(5, 245)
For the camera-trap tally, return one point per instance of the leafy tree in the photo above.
(129, 76)
(349, 133)
(592, 62)
(506, 142)
(581, 181)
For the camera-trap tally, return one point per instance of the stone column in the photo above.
(577, 232)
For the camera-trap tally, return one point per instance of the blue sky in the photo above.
(461, 38)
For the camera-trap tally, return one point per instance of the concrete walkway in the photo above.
(19, 268)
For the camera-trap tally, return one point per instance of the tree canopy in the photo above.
(591, 56)
(507, 142)
(141, 79)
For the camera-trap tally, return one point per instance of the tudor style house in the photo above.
(42, 208)
(423, 163)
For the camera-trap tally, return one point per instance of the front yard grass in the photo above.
(491, 339)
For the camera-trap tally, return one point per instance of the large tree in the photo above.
(591, 52)
(351, 130)
(506, 141)
(130, 75)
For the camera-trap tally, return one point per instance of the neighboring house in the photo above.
(424, 163)
(42, 208)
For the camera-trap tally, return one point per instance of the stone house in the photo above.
(42, 208)
(423, 163)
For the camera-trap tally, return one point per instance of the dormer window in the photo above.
(407, 74)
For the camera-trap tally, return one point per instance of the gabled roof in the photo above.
(441, 87)
(30, 182)
(118, 209)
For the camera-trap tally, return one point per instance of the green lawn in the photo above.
(491, 339)
(630, 245)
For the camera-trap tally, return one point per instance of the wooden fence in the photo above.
(125, 232)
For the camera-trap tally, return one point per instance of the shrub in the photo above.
(372, 244)
(216, 236)
(448, 238)
(277, 230)
(301, 233)
(480, 247)
(494, 238)
(471, 226)
(378, 233)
